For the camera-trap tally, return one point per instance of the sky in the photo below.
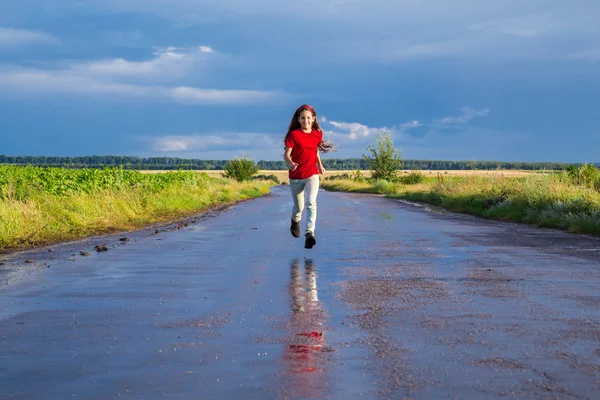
(494, 80)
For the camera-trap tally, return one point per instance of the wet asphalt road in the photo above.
(395, 301)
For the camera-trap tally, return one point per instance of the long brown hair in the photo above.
(324, 145)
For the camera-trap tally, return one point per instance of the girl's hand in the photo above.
(293, 166)
(321, 169)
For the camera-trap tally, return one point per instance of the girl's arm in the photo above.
(287, 157)
(320, 164)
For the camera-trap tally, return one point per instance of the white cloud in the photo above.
(410, 125)
(40, 82)
(356, 135)
(46, 82)
(170, 62)
(354, 129)
(193, 95)
(121, 67)
(20, 37)
(174, 144)
(351, 134)
(161, 78)
(243, 142)
(467, 115)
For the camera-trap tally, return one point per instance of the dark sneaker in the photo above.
(310, 241)
(295, 229)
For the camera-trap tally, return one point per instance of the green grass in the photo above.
(545, 200)
(44, 205)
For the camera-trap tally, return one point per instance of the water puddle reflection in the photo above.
(306, 351)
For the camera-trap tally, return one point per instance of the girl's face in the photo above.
(306, 120)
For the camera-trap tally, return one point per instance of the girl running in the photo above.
(303, 142)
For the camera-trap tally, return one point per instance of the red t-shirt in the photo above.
(304, 153)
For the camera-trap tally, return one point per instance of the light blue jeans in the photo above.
(297, 187)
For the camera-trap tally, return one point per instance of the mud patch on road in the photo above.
(465, 339)
(429, 322)
(393, 294)
(499, 362)
(491, 283)
(358, 271)
(579, 363)
(444, 322)
(578, 329)
(515, 330)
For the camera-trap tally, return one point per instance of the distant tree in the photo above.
(240, 169)
(348, 164)
(385, 160)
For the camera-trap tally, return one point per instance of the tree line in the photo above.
(348, 164)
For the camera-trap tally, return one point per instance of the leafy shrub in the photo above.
(585, 175)
(385, 160)
(240, 169)
(343, 176)
(271, 177)
(357, 176)
(384, 187)
(495, 196)
(412, 178)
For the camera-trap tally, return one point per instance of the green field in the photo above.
(568, 200)
(45, 205)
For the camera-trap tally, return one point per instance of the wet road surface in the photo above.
(395, 301)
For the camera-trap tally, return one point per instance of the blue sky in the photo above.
(509, 80)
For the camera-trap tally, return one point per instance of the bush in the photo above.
(271, 177)
(412, 179)
(495, 196)
(240, 169)
(384, 187)
(339, 177)
(385, 159)
(357, 176)
(585, 175)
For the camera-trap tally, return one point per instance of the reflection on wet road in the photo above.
(395, 301)
(306, 349)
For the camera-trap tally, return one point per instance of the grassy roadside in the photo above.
(544, 200)
(39, 206)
